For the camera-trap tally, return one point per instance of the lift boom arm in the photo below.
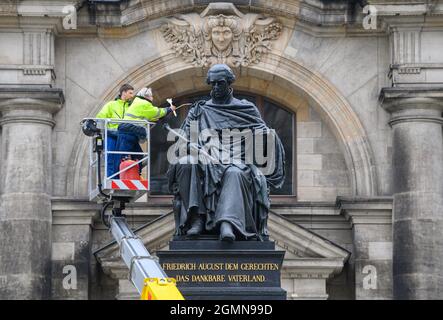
(145, 272)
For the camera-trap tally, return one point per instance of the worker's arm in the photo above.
(161, 112)
(165, 111)
(152, 113)
(105, 112)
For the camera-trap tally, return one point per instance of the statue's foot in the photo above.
(226, 232)
(196, 227)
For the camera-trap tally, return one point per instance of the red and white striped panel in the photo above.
(129, 184)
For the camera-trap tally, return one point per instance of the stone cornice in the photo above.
(311, 268)
(36, 15)
(408, 7)
(124, 18)
(413, 103)
(401, 92)
(376, 210)
(29, 8)
(415, 118)
(311, 16)
(78, 209)
(29, 105)
(317, 12)
(73, 212)
(53, 95)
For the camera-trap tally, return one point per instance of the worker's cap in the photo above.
(145, 92)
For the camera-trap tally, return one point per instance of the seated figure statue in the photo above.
(225, 198)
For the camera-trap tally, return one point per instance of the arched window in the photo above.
(275, 116)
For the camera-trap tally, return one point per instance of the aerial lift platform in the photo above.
(145, 272)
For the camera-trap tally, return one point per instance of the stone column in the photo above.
(25, 190)
(418, 191)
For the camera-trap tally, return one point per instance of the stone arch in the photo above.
(277, 77)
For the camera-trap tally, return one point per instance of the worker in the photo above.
(130, 135)
(115, 110)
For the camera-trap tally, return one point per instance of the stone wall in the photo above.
(321, 168)
(356, 66)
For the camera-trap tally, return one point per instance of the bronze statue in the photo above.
(228, 198)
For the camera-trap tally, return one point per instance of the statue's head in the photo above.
(220, 77)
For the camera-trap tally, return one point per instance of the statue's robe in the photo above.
(234, 192)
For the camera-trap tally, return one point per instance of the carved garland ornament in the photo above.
(236, 40)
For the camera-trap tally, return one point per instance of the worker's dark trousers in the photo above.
(127, 142)
(112, 143)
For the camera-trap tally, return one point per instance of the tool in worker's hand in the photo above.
(170, 103)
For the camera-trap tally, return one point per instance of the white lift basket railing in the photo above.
(111, 186)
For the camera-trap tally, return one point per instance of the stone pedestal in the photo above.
(216, 270)
(25, 188)
(418, 191)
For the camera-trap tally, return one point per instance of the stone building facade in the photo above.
(362, 81)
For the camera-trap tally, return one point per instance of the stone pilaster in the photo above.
(25, 190)
(405, 47)
(372, 237)
(72, 221)
(418, 191)
(306, 279)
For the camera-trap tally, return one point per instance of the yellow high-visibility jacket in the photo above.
(142, 109)
(114, 110)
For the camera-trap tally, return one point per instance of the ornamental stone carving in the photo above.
(221, 34)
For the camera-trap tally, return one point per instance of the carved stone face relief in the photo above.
(234, 39)
(221, 37)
